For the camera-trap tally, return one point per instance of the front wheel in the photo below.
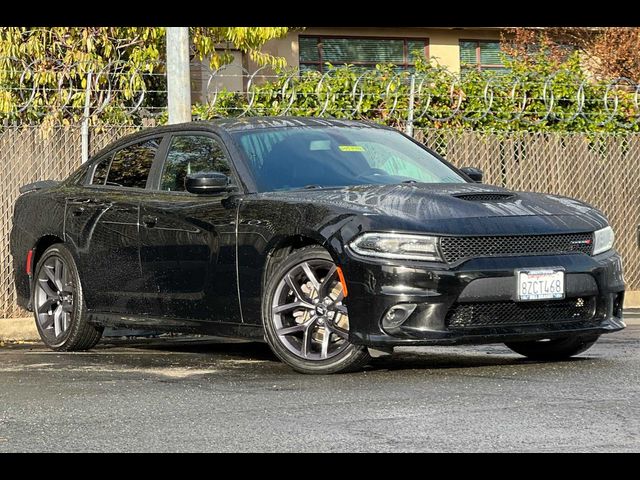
(306, 322)
(558, 349)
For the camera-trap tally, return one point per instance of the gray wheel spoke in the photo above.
(51, 274)
(306, 342)
(57, 273)
(57, 321)
(340, 297)
(44, 285)
(342, 309)
(291, 306)
(65, 320)
(66, 281)
(295, 287)
(290, 330)
(326, 284)
(311, 276)
(338, 331)
(326, 338)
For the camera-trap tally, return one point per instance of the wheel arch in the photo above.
(282, 247)
(41, 246)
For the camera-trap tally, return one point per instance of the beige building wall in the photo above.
(443, 42)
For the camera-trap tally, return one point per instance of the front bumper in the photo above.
(376, 285)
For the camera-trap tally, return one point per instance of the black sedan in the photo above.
(332, 240)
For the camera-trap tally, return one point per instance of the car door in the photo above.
(102, 222)
(187, 248)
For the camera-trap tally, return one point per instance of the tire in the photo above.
(306, 347)
(58, 303)
(558, 349)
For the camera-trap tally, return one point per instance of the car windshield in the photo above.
(315, 157)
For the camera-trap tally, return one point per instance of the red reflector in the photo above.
(342, 281)
(29, 261)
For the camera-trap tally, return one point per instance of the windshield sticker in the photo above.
(351, 148)
(316, 145)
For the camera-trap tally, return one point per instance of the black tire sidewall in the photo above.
(353, 357)
(557, 349)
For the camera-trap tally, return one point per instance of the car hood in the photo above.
(433, 206)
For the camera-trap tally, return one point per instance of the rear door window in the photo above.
(131, 165)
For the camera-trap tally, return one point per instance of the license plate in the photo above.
(543, 284)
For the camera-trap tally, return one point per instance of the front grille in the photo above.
(505, 314)
(458, 248)
(485, 197)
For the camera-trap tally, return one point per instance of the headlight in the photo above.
(394, 245)
(603, 240)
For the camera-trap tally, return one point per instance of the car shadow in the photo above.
(430, 360)
(426, 359)
(242, 349)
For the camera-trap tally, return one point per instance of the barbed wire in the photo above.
(47, 86)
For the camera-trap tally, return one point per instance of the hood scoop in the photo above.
(485, 197)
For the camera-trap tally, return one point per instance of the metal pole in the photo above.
(412, 93)
(178, 79)
(84, 132)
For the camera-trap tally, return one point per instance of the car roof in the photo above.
(237, 124)
(252, 123)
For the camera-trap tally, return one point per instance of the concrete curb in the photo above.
(24, 329)
(18, 330)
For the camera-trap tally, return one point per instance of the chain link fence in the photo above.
(28, 154)
(601, 169)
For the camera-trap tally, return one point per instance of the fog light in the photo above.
(397, 314)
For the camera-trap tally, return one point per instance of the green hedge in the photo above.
(537, 97)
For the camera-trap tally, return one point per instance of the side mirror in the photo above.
(473, 173)
(207, 183)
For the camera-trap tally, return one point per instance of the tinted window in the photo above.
(101, 170)
(131, 165)
(192, 154)
(283, 159)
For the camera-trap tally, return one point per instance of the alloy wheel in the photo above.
(54, 296)
(308, 312)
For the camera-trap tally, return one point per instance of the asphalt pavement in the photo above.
(186, 394)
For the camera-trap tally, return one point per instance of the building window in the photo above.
(363, 52)
(481, 55)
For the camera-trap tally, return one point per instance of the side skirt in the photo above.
(222, 329)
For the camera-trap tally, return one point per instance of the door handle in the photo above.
(149, 221)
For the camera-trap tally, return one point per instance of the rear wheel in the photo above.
(305, 320)
(58, 303)
(557, 349)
